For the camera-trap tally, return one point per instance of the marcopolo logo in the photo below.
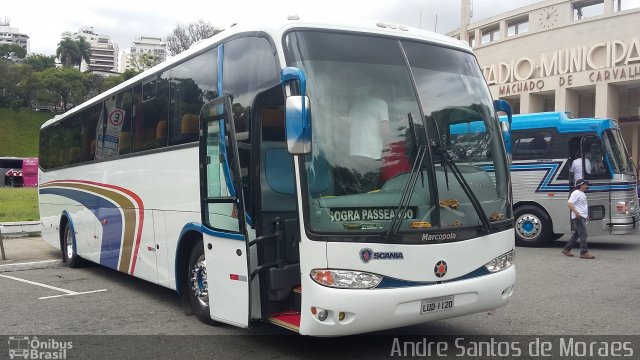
(439, 237)
(24, 347)
(367, 255)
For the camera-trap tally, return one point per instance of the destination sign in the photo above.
(369, 214)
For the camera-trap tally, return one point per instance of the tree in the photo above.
(72, 52)
(40, 62)
(11, 51)
(67, 51)
(62, 82)
(183, 36)
(144, 61)
(15, 85)
(84, 50)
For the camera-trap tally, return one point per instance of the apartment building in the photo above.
(12, 35)
(104, 53)
(145, 52)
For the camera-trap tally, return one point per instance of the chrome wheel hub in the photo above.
(198, 280)
(528, 226)
(68, 242)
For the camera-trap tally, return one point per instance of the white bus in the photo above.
(544, 146)
(298, 173)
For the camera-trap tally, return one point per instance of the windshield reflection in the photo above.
(363, 96)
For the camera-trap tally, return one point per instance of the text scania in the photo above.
(367, 214)
(387, 256)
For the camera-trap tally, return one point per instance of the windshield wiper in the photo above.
(447, 161)
(407, 192)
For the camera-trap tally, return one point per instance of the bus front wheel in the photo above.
(197, 286)
(533, 226)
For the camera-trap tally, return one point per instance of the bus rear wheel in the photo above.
(197, 286)
(533, 226)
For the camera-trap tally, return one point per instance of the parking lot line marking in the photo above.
(39, 284)
(80, 293)
(29, 263)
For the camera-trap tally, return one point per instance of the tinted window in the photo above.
(250, 67)
(192, 84)
(90, 119)
(531, 146)
(150, 123)
(70, 149)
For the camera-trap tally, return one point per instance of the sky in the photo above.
(124, 20)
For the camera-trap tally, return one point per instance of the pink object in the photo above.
(30, 172)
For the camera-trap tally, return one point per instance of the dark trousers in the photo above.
(580, 233)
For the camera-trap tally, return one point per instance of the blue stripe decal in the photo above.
(390, 283)
(547, 184)
(204, 230)
(111, 231)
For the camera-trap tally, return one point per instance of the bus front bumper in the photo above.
(379, 309)
(621, 225)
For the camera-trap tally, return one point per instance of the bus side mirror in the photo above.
(297, 112)
(503, 106)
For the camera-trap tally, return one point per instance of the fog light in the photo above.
(322, 314)
(341, 315)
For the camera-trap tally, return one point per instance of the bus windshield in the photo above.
(375, 101)
(617, 152)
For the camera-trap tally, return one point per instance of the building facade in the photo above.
(12, 35)
(145, 52)
(581, 56)
(104, 53)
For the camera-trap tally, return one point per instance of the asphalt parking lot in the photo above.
(554, 295)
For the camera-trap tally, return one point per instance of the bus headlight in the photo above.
(623, 207)
(345, 279)
(501, 262)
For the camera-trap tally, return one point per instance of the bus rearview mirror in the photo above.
(298, 125)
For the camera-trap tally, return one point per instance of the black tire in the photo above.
(69, 251)
(557, 236)
(196, 284)
(533, 226)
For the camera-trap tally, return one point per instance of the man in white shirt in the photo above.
(369, 131)
(576, 168)
(369, 119)
(579, 216)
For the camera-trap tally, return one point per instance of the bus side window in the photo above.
(151, 108)
(531, 146)
(250, 67)
(190, 88)
(593, 158)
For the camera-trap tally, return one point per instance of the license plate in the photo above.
(436, 304)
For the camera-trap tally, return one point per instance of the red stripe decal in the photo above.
(134, 196)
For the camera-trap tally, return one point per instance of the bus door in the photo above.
(224, 234)
(595, 170)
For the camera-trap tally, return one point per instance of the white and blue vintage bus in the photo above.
(299, 173)
(544, 145)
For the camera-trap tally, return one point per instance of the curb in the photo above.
(45, 264)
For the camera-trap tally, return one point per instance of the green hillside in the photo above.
(19, 132)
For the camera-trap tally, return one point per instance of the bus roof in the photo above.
(275, 28)
(561, 122)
